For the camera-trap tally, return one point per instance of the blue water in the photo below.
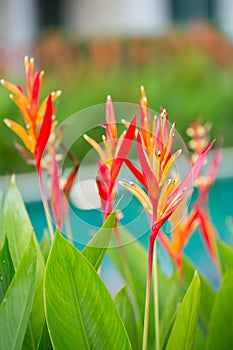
(86, 222)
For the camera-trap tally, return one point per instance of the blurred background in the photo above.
(180, 50)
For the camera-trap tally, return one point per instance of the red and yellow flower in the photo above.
(38, 119)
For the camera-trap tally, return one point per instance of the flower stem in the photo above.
(46, 206)
(156, 297)
(148, 293)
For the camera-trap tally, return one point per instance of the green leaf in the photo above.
(45, 342)
(207, 295)
(79, 310)
(225, 255)
(165, 333)
(169, 310)
(19, 232)
(16, 306)
(37, 317)
(199, 342)
(220, 334)
(2, 238)
(16, 224)
(45, 245)
(184, 328)
(97, 246)
(6, 270)
(125, 308)
(131, 261)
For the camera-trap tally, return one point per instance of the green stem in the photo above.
(46, 206)
(148, 293)
(156, 297)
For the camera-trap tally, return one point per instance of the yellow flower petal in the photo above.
(138, 192)
(20, 131)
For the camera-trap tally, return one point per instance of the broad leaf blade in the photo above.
(96, 248)
(220, 334)
(183, 331)
(6, 270)
(125, 308)
(16, 224)
(16, 305)
(79, 310)
(19, 232)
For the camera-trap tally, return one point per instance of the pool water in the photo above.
(88, 222)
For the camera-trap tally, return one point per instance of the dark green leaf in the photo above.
(225, 255)
(125, 308)
(220, 334)
(45, 342)
(37, 317)
(96, 248)
(6, 270)
(184, 328)
(16, 305)
(79, 310)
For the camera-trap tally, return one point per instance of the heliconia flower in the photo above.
(182, 225)
(112, 156)
(161, 201)
(199, 134)
(38, 119)
(157, 142)
(154, 144)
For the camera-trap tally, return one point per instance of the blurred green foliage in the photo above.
(189, 75)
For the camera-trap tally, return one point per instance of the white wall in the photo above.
(18, 23)
(122, 17)
(224, 15)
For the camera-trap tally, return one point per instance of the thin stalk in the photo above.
(46, 207)
(67, 219)
(148, 293)
(156, 297)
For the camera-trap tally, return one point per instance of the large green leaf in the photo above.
(17, 303)
(220, 334)
(79, 310)
(184, 328)
(19, 232)
(125, 308)
(16, 224)
(96, 248)
(225, 254)
(6, 270)
(207, 295)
